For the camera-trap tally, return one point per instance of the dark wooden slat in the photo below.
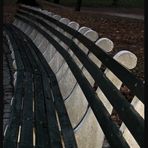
(9, 62)
(70, 42)
(67, 130)
(26, 136)
(18, 59)
(11, 137)
(27, 122)
(27, 51)
(41, 132)
(37, 67)
(21, 49)
(122, 106)
(101, 113)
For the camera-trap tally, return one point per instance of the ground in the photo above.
(125, 33)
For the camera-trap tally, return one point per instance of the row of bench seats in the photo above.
(74, 56)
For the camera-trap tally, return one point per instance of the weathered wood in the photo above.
(67, 132)
(27, 51)
(11, 136)
(66, 128)
(53, 129)
(78, 5)
(18, 59)
(41, 132)
(26, 136)
(25, 129)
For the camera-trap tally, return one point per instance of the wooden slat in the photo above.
(103, 81)
(67, 130)
(114, 96)
(18, 59)
(100, 113)
(27, 51)
(52, 125)
(26, 137)
(54, 133)
(11, 135)
(21, 49)
(41, 132)
(26, 127)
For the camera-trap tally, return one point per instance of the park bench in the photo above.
(63, 97)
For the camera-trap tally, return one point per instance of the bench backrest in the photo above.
(75, 54)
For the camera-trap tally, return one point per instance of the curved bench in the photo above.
(75, 55)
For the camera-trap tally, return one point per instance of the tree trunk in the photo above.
(28, 2)
(56, 1)
(78, 5)
(115, 3)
